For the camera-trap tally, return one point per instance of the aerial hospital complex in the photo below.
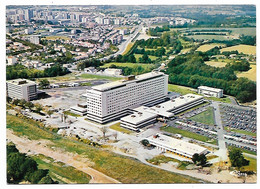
(136, 100)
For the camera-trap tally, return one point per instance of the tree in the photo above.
(38, 107)
(237, 159)
(50, 112)
(47, 180)
(44, 83)
(29, 105)
(8, 99)
(104, 131)
(145, 142)
(195, 158)
(16, 102)
(22, 103)
(199, 159)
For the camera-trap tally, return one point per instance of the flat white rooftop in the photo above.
(122, 82)
(175, 103)
(176, 144)
(21, 82)
(210, 88)
(139, 117)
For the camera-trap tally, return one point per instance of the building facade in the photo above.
(209, 91)
(21, 89)
(114, 100)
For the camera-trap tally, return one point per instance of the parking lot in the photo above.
(237, 118)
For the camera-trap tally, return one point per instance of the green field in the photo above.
(216, 64)
(130, 65)
(137, 56)
(250, 74)
(240, 131)
(209, 37)
(90, 76)
(204, 48)
(252, 164)
(180, 89)
(188, 134)
(120, 129)
(59, 171)
(246, 49)
(206, 117)
(121, 168)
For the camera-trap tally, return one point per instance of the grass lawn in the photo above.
(120, 129)
(59, 171)
(188, 134)
(122, 168)
(90, 76)
(224, 99)
(157, 160)
(252, 164)
(129, 46)
(71, 114)
(204, 48)
(206, 117)
(240, 131)
(216, 64)
(130, 65)
(180, 89)
(246, 49)
(250, 74)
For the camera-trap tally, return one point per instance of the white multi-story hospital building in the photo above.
(114, 100)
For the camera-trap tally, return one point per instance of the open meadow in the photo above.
(204, 48)
(216, 63)
(246, 49)
(250, 74)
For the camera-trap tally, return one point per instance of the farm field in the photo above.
(250, 74)
(130, 65)
(216, 64)
(239, 31)
(204, 48)
(183, 51)
(246, 49)
(104, 161)
(209, 37)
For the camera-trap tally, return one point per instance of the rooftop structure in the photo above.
(176, 146)
(21, 89)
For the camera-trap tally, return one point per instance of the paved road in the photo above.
(222, 152)
(124, 45)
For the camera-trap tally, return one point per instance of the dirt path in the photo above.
(40, 147)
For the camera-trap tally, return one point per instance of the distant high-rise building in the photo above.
(117, 21)
(99, 20)
(28, 14)
(28, 31)
(106, 21)
(35, 39)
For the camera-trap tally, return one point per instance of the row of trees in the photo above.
(20, 71)
(23, 168)
(159, 52)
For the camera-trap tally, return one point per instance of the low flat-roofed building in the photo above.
(175, 146)
(21, 89)
(80, 109)
(139, 119)
(144, 116)
(210, 91)
(112, 71)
